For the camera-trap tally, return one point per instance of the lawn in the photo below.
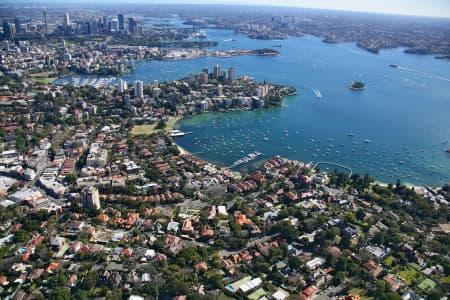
(43, 77)
(415, 266)
(410, 276)
(223, 297)
(389, 261)
(171, 123)
(360, 293)
(446, 279)
(427, 285)
(147, 129)
(257, 294)
(44, 80)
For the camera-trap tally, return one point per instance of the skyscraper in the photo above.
(132, 26)
(121, 86)
(17, 25)
(8, 31)
(121, 19)
(45, 21)
(216, 73)
(66, 24)
(139, 89)
(114, 25)
(90, 198)
(66, 21)
(231, 74)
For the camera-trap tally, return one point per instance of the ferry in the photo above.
(175, 133)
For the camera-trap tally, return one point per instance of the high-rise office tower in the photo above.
(8, 31)
(45, 21)
(66, 24)
(114, 25)
(121, 19)
(66, 20)
(132, 26)
(17, 25)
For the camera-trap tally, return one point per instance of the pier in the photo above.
(175, 133)
(333, 164)
(246, 159)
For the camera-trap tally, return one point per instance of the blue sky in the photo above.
(439, 8)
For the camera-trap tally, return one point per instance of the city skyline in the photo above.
(433, 8)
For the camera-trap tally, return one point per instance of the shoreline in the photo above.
(181, 149)
(184, 151)
(169, 127)
(407, 184)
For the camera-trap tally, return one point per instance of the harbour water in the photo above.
(397, 128)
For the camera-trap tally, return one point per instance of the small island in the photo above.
(357, 85)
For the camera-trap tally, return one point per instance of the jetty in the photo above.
(175, 133)
(246, 159)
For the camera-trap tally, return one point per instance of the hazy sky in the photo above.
(439, 8)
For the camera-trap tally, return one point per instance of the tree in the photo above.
(294, 262)
(81, 295)
(175, 285)
(331, 259)
(340, 278)
(350, 217)
(21, 144)
(380, 237)
(115, 294)
(60, 293)
(22, 236)
(286, 230)
(71, 178)
(161, 124)
(341, 264)
(90, 280)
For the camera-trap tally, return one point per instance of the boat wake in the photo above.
(317, 93)
(422, 73)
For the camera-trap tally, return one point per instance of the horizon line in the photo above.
(187, 2)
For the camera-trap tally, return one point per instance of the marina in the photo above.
(96, 82)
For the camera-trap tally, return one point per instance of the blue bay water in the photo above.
(400, 122)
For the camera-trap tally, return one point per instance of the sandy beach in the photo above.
(182, 150)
